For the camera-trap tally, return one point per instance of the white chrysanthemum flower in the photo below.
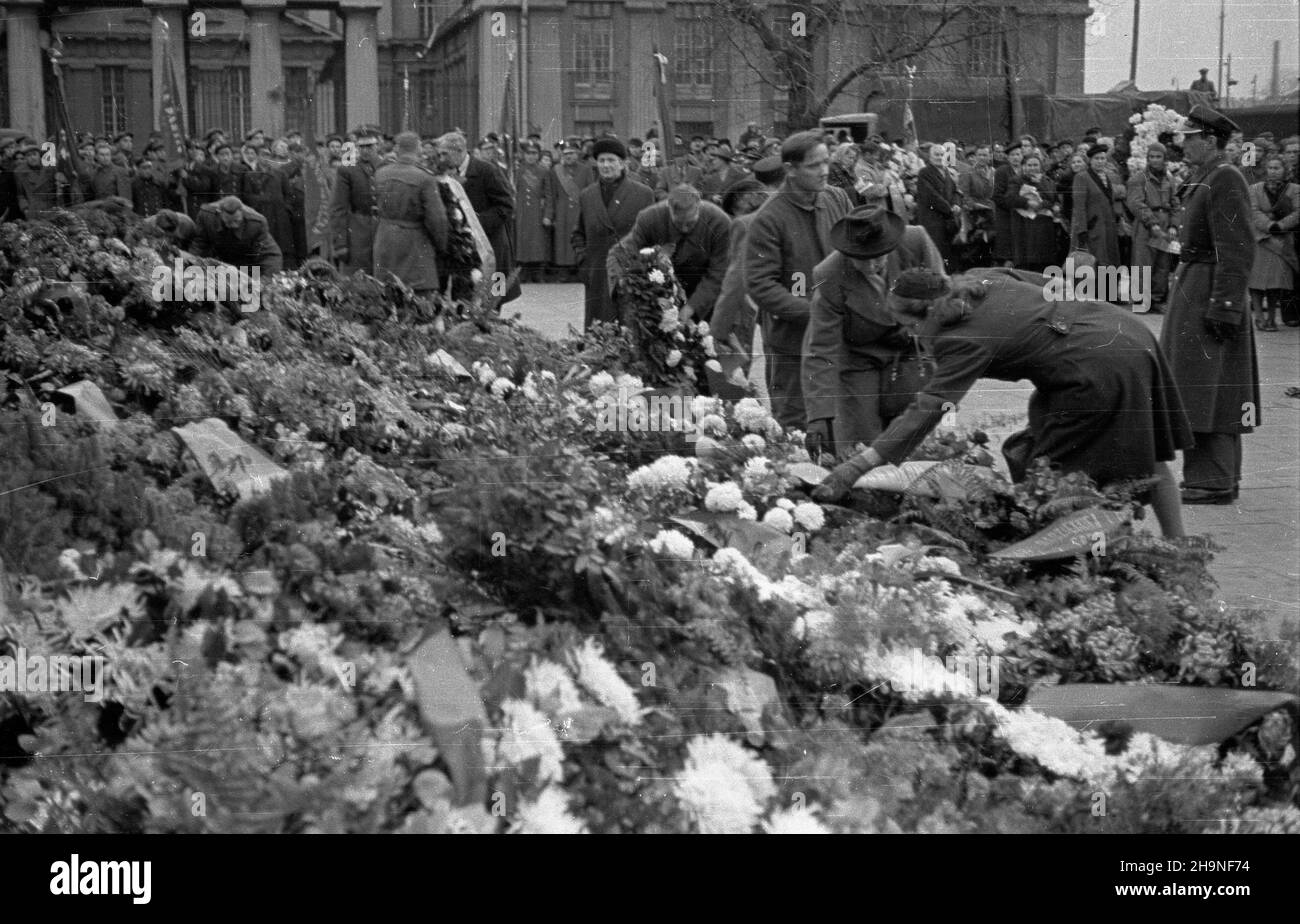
(602, 681)
(713, 425)
(724, 497)
(430, 533)
(713, 365)
(313, 646)
(702, 406)
(600, 383)
(656, 276)
(814, 624)
(475, 275)
(702, 328)
(548, 815)
(916, 677)
(527, 733)
(551, 689)
(647, 251)
(673, 544)
(792, 590)
(753, 442)
(629, 384)
(673, 358)
(664, 473)
(670, 319)
(746, 511)
(941, 563)
(91, 609)
(809, 515)
(1052, 743)
(751, 415)
(502, 386)
(794, 821)
(785, 503)
(993, 632)
(709, 349)
(779, 519)
(723, 786)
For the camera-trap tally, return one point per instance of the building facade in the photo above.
(569, 67)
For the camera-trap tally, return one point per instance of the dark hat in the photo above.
(737, 191)
(609, 146)
(1205, 119)
(1205, 70)
(120, 135)
(867, 231)
(214, 131)
(366, 134)
(230, 204)
(769, 169)
(329, 138)
(572, 145)
(1098, 149)
(920, 283)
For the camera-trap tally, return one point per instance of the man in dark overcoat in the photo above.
(489, 191)
(1207, 335)
(354, 207)
(569, 178)
(533, 214)
(412, 229)
(607, 210)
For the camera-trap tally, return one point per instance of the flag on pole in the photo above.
(171, 105)
(507, 129)
(67, 156)
(909, 127)
(663, 99)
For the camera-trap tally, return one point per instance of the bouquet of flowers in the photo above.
(670, 352)
(1148, 126)
(465, 259)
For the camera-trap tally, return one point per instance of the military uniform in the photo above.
(354, 215)
(412, 228)
(251, 245)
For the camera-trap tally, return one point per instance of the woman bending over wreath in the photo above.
(1105, 402)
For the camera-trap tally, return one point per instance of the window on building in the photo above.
(112, 99)
(427, 14)
(592, 129)
(424, 102)
(688, 129)
(299, 101)
(983, 47)
(221, 100)
(692, 60)
(593, 51)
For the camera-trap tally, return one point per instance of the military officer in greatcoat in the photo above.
(1207, 335)
(534, 215)
(230, 231)
(354, 211)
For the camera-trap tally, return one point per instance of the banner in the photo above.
(171, 104)
(507, 130)
(67, 156)
(663, 99)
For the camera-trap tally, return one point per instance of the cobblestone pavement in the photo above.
(1260, 565)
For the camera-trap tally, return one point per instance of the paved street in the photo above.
(1260, 566)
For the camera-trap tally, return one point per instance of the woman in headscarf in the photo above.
(1093, 227)
(1031, 196)
(1105, 402)
(1275, 207)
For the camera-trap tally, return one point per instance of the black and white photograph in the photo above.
(650, 417)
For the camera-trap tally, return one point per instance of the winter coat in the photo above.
(1154, 204)
(534, 202)
(699, 257)
(412, 228)
(598, 229)
(353, 216)
(936, 194)
(1275, 256)
(566, 189)
(1092, 224)
(488, 189)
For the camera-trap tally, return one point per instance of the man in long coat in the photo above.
(788, 237)
(412, 228)
(570, 177)
(533, 214)
(354, 208)
(488, 189)
(1207, 335)
(607, 211)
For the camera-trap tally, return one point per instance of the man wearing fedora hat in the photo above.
(860, 366)
(1208, 336)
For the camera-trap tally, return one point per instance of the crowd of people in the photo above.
(803, 241)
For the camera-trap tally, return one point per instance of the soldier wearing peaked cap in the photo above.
(1208, 336)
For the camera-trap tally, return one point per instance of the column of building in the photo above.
(361, 60)
(26, 75)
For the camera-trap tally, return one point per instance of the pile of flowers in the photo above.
(633, 631)
(1148, 126)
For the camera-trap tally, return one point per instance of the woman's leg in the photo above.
(1167, 503)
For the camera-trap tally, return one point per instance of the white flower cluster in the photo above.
(666, 473)
(657, 276)
(913, 677)
(549, 814)
(1052, 743)
(753, 417)
(794, 821)
(599, 678)
(673, 544)
(723, 787)
(312, 645)
(551, 689)
(724, 497)
(525, 734)
(1149, 125)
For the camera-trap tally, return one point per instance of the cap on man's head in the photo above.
(230, 205)
(366, 135)
(920, 283)
(769, 169)
(1205, 119)
(1205, 70)
(1098, 149)
(407, 143)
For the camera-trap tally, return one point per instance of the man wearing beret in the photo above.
(1207, 336)
(607, 210)
(230, 231)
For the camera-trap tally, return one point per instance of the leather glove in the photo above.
(819, 438)
(1221, 331)
(1274, 228)
(842, 478)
